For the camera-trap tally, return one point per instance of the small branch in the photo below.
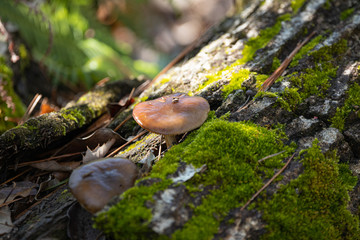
(279, 71)
(15, 177)
(267, 184)
(121, 147)
(159, 155)
(31, 107)
(270, 156)
(122, 123)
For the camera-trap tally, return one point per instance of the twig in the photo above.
(159, 155)
(122, 123)
(277, 73)
(270, 156)
(9, 202)
(31, 107)
(130, 141)
(267, 184)
(13, 178)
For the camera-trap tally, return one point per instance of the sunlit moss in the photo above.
(315, 80)
(296, 5)
(290, 99)
(260, 79)
(305, 50)
(275, 64)
(236, 80)
(351, 103)
(313, 206)
(230, 151)
(75, 115)
(262, 40)
(248, 53)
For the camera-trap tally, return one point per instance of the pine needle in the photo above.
(267, 184)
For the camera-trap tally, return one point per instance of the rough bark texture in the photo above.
(318, 97)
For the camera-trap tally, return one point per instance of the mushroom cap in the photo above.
(95, 183)
(172, 114)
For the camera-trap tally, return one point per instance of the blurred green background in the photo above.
(65, 47)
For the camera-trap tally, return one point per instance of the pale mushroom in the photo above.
(95, 183)
(172, 115)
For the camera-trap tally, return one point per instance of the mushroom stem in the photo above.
(170, 140)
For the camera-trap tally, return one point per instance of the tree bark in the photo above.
(317, 97)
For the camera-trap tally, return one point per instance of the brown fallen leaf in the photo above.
(98, 152)
(99, 137)
(19, 189)
(46, 107)
(6, 224)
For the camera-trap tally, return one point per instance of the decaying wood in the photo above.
(48, 130)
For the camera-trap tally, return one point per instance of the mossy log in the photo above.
(197, 190)
(43, 132)
(199, 187)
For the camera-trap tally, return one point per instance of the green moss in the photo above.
(290, 99)
(275, 64)
(313, 206)
(11, 107)
(351, 104)
(346, 13)
(248, 54)
(138, 144)
(230, 151)
(164, 80)
(305, 50)
(129, 221)
(236, 80)
(315, 80)
(75, 115)
(327, 5)
(260, 79)
(296, 5)
(237, 77)
(262, 40)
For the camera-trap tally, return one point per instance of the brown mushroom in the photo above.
(172, 115)
(95, 183)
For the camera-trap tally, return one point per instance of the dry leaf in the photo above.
(98, 152)
(99, 137)
(6, 224)
(20, 189)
